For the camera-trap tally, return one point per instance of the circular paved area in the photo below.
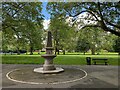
(26, 75)
(98, 76)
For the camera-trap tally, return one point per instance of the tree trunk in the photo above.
(18, 51)
(93, 51)
(63, 52)
(58, 51)
(55, 50)
(31, 50)
(84, 53)
(5, 53)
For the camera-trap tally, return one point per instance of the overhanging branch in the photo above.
(112, 31)
(88, 12)
(117, 26)
(90, 26)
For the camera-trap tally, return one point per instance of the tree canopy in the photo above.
(22, 24)
(106, 14)
(63, 35)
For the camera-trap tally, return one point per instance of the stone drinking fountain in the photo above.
(48, 66)
(46, 75)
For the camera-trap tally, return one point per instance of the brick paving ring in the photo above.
(28, 76)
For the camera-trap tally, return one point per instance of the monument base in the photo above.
(40, 70)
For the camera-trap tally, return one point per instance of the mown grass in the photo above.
(59, 60)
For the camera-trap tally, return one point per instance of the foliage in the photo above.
(94, 39)
(96, 16)
(82, 45)
(106, 14)
(116, 46)
(63, 34)
(22, 24)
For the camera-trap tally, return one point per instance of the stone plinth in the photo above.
(40, 70)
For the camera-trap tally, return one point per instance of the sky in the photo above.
(47, 16)
(44, 11)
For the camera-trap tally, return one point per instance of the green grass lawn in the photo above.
(59, 60)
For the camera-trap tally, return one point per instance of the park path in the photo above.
(98, 76)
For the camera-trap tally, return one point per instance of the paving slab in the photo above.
(98, 76)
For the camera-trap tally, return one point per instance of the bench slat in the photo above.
(100, 59)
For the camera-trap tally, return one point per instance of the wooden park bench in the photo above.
(100, 60)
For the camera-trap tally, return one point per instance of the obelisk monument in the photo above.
(48, 66)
